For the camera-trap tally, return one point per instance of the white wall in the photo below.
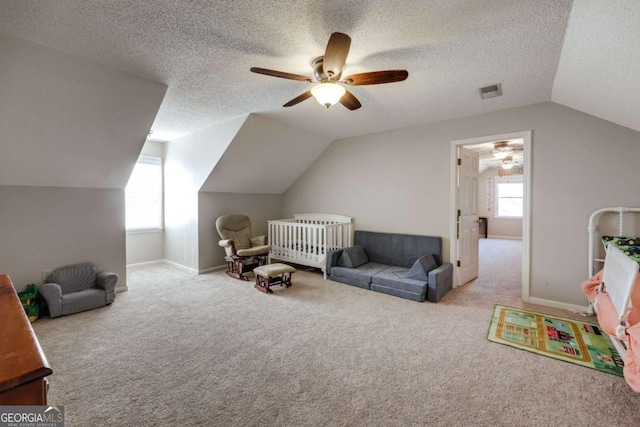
(188, 162)
(398, 181)
(69, 122)
(498, 227)
(259, 207)
(70, 133)
(599, 65)
(270, 156)
(47, 227)
(146, 246)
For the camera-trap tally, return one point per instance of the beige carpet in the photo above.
(183, 350)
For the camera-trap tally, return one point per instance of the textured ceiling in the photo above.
(202, 50)
(599, 70)
(488, 160)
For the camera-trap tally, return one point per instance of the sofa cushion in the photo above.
(74, 278)
(398, 293)
(363, 282)
(421, 268)
(398, 249)
(255, 250)
(378, 246)
(353, 257)
(365, 272)
(395, 278)
(86, 299)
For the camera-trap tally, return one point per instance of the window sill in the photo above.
(145, 230)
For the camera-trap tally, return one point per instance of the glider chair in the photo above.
(78, 287)
(243, 252)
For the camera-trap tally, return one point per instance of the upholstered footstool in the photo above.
(273, 274)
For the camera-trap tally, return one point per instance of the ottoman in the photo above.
(273, 274)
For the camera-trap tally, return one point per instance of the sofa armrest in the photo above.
(225, 243)
(229, 246)
(259, 241)
(52, 294)
(107, 281)
(440, 282)
(332, 259)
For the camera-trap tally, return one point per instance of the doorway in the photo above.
(458, 256)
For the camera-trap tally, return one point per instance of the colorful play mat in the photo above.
(570, 340)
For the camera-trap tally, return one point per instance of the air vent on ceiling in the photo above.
(491, 91)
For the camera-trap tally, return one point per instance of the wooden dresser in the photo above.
(23, 365)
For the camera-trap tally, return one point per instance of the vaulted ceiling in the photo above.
(581, 53)
(202, 50)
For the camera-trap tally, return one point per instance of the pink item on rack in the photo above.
(631, 363)
(607, 314)
(608, 320)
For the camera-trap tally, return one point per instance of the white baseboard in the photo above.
(181, 267)
(491, 236)
(209, 270)
(146, 263)
(556, 304)
(175, 264)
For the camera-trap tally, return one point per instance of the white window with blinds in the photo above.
(143, 195)
(509, 196)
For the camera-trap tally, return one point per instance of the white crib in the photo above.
(306, 238)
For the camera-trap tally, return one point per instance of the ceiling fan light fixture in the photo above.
(328, 94)
(501, 154)
(501, 150)
(507, 162)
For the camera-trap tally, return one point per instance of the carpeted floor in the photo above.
(208, 350)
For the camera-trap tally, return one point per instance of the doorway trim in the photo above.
(526, 216)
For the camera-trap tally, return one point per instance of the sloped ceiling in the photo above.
(202, 50)
(581, 53)
(265, 156)
(69, 122)
(599, 70)
(189, 160)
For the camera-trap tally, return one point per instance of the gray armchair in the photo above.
(78, 287)
(243, 252)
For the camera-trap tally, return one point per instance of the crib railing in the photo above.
(307, 238)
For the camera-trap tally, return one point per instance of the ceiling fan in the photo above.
(327, 70)
(505, 154)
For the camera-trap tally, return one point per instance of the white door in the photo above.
(468, 173)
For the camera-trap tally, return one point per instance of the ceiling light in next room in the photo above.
(507, 162)
(501, 150)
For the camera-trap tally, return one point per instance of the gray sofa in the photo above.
(403, 265)
(79, 287)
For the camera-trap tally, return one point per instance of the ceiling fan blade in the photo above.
(298, 99)
(280, 74)
(350, 101)
(376, 77)
(335, 54)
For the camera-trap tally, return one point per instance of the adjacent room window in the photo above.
(143, 195)
(509, 198)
